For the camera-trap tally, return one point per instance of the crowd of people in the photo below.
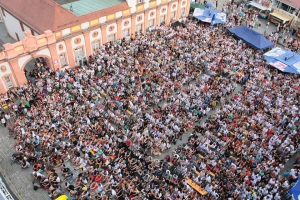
(94, 132)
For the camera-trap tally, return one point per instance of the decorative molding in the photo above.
(95, 34)
(111, 28)
(29, 42)
(126, 23)
(3, 68)
(77, 40)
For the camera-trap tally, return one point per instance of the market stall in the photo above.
(209, 15)
(251, 37)
(264, 8)
(284, 60)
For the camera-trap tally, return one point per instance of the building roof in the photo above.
(292, 3)
(41, 15)
(82, 7)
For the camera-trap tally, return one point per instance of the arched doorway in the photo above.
(35, 67)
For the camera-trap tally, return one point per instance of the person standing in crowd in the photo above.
(113, 122)
(3, 121)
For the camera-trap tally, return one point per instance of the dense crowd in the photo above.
(93, 132)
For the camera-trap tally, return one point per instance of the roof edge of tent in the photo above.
(247, 42)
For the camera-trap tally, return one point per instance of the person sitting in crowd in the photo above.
(105, 122)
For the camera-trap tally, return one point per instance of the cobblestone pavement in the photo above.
(18, 180)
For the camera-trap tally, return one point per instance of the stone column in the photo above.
(119, 30)
(104, 34)
(157, 16)
(88, 44)
(17, 72)
(70, 52)
(55, 57)
(146, 20)
(178, 10)
(187, 8)
(168, 20)
(133, 20)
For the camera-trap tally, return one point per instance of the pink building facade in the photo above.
(67, 46)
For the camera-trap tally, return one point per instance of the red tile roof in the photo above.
(41, 15)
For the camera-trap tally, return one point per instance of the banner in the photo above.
(279, 65)
(221, 16)
(198, 12)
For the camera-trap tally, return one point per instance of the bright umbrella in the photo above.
(208, 5)
(62, 197)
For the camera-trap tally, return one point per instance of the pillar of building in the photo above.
(104, 33)
(70, 52)
(187, 11)
(178, 15)
(146, 20)
(54, 56)
(168, 20)
(133, 20)
(157, 21)
(88, 44)
(119, 29)
(144, 24)
(17, 72)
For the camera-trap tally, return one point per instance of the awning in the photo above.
(251, 37)
(206, 15)
(281, 17)
(284, 60)
(259, 6)
(295, 191)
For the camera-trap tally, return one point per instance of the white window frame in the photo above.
(8, 82)
(96, 45)
(182, 12)
(126, 32)
(163, 19)
(111, 38)
(139, 28)
(151, 22)
(79, 55)
(63, 60)
(79, 52)
(173, 14)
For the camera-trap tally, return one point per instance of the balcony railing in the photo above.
(4, 192)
